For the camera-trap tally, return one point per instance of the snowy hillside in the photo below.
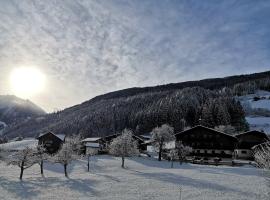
(257, 108)
(18, 145)
(144, 179)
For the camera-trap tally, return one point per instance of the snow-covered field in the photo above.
(143, 179)
(19, 145)
(258, 122)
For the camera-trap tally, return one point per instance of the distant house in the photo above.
(96, 143)
(52, 142)
(208, 142)
(246, 141)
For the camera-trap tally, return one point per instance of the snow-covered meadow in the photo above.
(144, 178)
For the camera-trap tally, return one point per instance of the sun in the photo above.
(26, 82)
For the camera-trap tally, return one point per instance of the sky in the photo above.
(90, 47)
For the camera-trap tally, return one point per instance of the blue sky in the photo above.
(87, 48)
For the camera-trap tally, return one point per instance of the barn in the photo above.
(52, 142)
(208, 142)
(246, 141)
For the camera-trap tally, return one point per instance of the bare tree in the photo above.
(262, 158)
(40, 156)
(23, 158)
(124, 146)
(66, 155)
(182, 151)
(160, 136)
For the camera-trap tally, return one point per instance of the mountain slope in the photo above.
(14, 110)
(141, 109)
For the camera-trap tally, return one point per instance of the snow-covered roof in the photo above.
(60, 136)
(19, 145)
(201, 126)
(91, 139)
(93, 145)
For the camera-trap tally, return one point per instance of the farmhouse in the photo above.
(208, 142)
(246, 141)
(52, 142)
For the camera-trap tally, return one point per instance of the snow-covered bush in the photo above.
(23, 158)
(182, 151)
(262, 158)
(160, 136)
(124, 146)
(66, 155)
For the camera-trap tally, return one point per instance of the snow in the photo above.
(19, 145)
(259, 123)
(143, 179)
(92, 139)
(61, 136)
(93, 145)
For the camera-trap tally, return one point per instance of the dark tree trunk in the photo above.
(22, 168)
(88, 165)
(41, 167)
(123, 162)
(65, 168)
(160, 151)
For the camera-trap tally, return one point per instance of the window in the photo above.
(244, 152)
(213, 151)
(205, 151)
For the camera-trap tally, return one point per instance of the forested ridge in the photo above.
(209, 102)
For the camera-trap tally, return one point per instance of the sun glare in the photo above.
(26, 82)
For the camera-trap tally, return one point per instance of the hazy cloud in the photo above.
(88, 48)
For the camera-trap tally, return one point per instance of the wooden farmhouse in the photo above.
(52, 142)
(246, 141)
(208, 142)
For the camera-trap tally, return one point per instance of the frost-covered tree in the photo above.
(160, 136)
(40, 156)
(24, 159)
(226, 129)
(262, 157)
(173, 154)
(124, 146)
(182, 151)
(66, 155)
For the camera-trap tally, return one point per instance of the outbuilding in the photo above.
(51, 141)
(246, 141)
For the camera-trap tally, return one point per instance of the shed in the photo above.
(51, 141)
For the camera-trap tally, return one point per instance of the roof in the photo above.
(252, 131)
(91, 139)
(60, 136)
(93, 145)
(204, 127)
